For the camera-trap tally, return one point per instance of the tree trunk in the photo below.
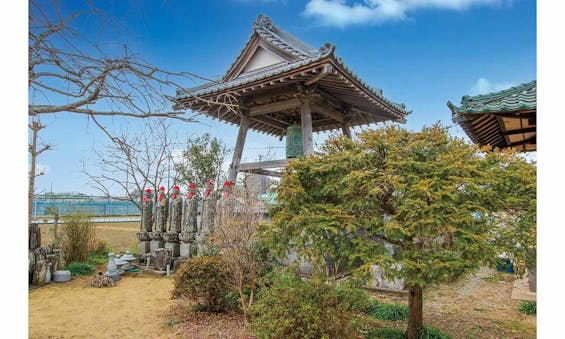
(415, 321)
(31, 188)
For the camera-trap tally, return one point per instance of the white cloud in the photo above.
(341, 13)
(484, 86)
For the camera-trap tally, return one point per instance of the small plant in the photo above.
(384, 311)
(80, 268)
(386, 333)
(204, 281)
(528, 307)
(431, 333)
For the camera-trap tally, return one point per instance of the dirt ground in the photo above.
(477, 306)
(134, 308)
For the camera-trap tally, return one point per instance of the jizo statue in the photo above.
(189, 224)
(161, 211)
(176, 211)
(146, 211)
(208, 209)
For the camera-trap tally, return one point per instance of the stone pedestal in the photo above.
(187, 245)
(161, 259)
(144, 247)
(188, 250)
(155, 244)
(172, 243)
(157, 241)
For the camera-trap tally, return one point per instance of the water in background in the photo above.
(95, 206)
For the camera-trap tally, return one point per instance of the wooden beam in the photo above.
(263, 164)
(520, 131)
(274, 107)
(265, 172)
(306, 121)
(238, 151)
(326, 70)
(327, 110)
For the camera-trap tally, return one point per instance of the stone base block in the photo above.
(174, 247)
(144, 247)
(188, 250)
(155, 244)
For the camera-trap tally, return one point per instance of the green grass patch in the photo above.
(80, 268)
(387, 333)
(528, 307)
(97, 259)
(384, 311)
(428, 332)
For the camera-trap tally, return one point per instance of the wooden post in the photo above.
(238, 151)
(306, 120)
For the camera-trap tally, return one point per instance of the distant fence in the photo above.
(91, 205)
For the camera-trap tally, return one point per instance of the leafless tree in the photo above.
(34, 151)
(236, 238)
(134, 161)
(69, 73)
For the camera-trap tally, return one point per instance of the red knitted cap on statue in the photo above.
(227, 183)
(176, 187)
(192, 185)
(162, 188)
(148, 190)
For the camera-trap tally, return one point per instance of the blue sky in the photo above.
(419, 52)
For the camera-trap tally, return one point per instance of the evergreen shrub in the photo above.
(292, 307)
(204, 281)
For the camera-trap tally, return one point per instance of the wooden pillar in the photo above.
(238, 151)
(306, 120)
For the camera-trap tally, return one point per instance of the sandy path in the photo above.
(134, 308)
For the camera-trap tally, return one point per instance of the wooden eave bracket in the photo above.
(327, 69)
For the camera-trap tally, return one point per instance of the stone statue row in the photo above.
(174, 224)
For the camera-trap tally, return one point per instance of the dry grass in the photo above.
(120, 236)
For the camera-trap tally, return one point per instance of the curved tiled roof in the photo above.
(521, 97)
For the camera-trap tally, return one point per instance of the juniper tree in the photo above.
(448, 207)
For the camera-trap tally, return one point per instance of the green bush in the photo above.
(204, 281)
(80, 268)
(528, 307)
(386, 333)
(97, 259)
(292, 307)
(431, 333)
(384, 311)
(78, 238)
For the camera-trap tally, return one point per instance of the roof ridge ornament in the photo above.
(327, 48)
(263, 21)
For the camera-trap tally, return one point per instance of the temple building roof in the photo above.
(274, 72)
(501, 119)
